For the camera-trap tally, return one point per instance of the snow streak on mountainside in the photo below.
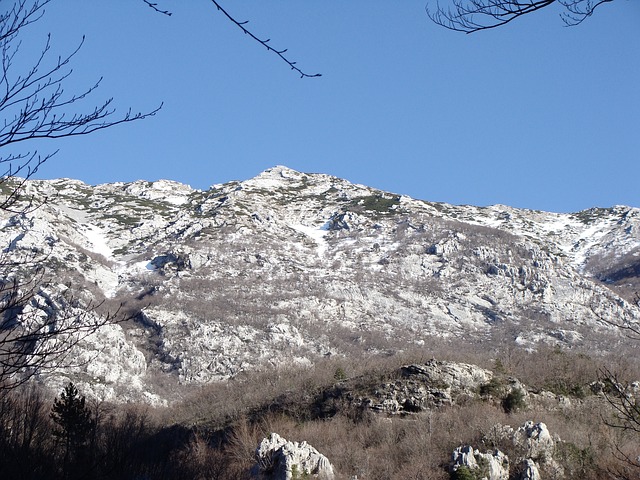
(287, 267)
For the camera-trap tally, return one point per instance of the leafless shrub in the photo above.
(560, 371)
(214, 434)
(25, 431)
(199, 460)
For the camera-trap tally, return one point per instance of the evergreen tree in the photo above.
(73, 418)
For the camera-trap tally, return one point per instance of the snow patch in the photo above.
(98, 239)
(145, 266)
(317, 234)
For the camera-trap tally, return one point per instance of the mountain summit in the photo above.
(290, 267)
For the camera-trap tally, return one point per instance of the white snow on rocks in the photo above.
(317, 234)
(98, 240)
(278, 268)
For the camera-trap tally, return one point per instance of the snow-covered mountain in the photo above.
(289, 267)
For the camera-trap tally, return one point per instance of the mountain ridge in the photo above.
(289, 267)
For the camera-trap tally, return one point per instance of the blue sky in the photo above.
(533, 115)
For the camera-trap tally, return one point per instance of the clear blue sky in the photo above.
(533, 115)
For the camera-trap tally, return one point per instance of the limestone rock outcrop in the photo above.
(534, 447)
(529, 470)
(321, 259)
(536, 441)
(423, 386)
(279, 459)
(491, 465)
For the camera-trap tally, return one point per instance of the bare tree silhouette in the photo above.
(471, 16)
(36, 331)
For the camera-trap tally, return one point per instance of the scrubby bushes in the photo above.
(213, 434)
(74, 439)
(464, 473)
(513, 401)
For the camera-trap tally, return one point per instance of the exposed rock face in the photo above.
(538, 446)
(529, 470)
(172, 262)
(279, 459)
(532, 441)
(535, 440)
(420, 387)
(282, 268)
(456, 376)
(490, 465)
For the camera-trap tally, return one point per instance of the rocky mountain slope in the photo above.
(289, 267)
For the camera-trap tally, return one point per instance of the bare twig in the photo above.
(628, 326)
(265, 43)
(623, 401)
(156, 8)
(579, 10)
(34, 103)
(245, 30)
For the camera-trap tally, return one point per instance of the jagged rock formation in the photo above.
(289, 267)
(529, 470)
(532, 443)
(279, 459)
(491, 465)
(536, 441)
(421, 387)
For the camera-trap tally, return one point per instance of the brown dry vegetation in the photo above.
(213, 434)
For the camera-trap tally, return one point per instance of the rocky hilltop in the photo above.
(289, 267)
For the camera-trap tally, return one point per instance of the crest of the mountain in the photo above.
(288, 267)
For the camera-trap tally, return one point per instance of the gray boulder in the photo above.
(279, 459)
(458, 376)
(535, 440)
(529, 470)
(535, 449)
(491, 465)
(424, 386)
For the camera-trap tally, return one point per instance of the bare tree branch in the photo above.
(246, 31)
(37, 331)
(579, 10)
(156, 8)
(623, 400)
(265, 43)
(39, 327)
(628, 325)
(471, 16)
(34, 103)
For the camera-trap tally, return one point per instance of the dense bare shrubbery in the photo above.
(113, 445)
(213, 434)
(360, 442)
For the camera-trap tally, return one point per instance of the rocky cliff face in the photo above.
(287, 267)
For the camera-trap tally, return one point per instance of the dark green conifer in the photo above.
(73, 419)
